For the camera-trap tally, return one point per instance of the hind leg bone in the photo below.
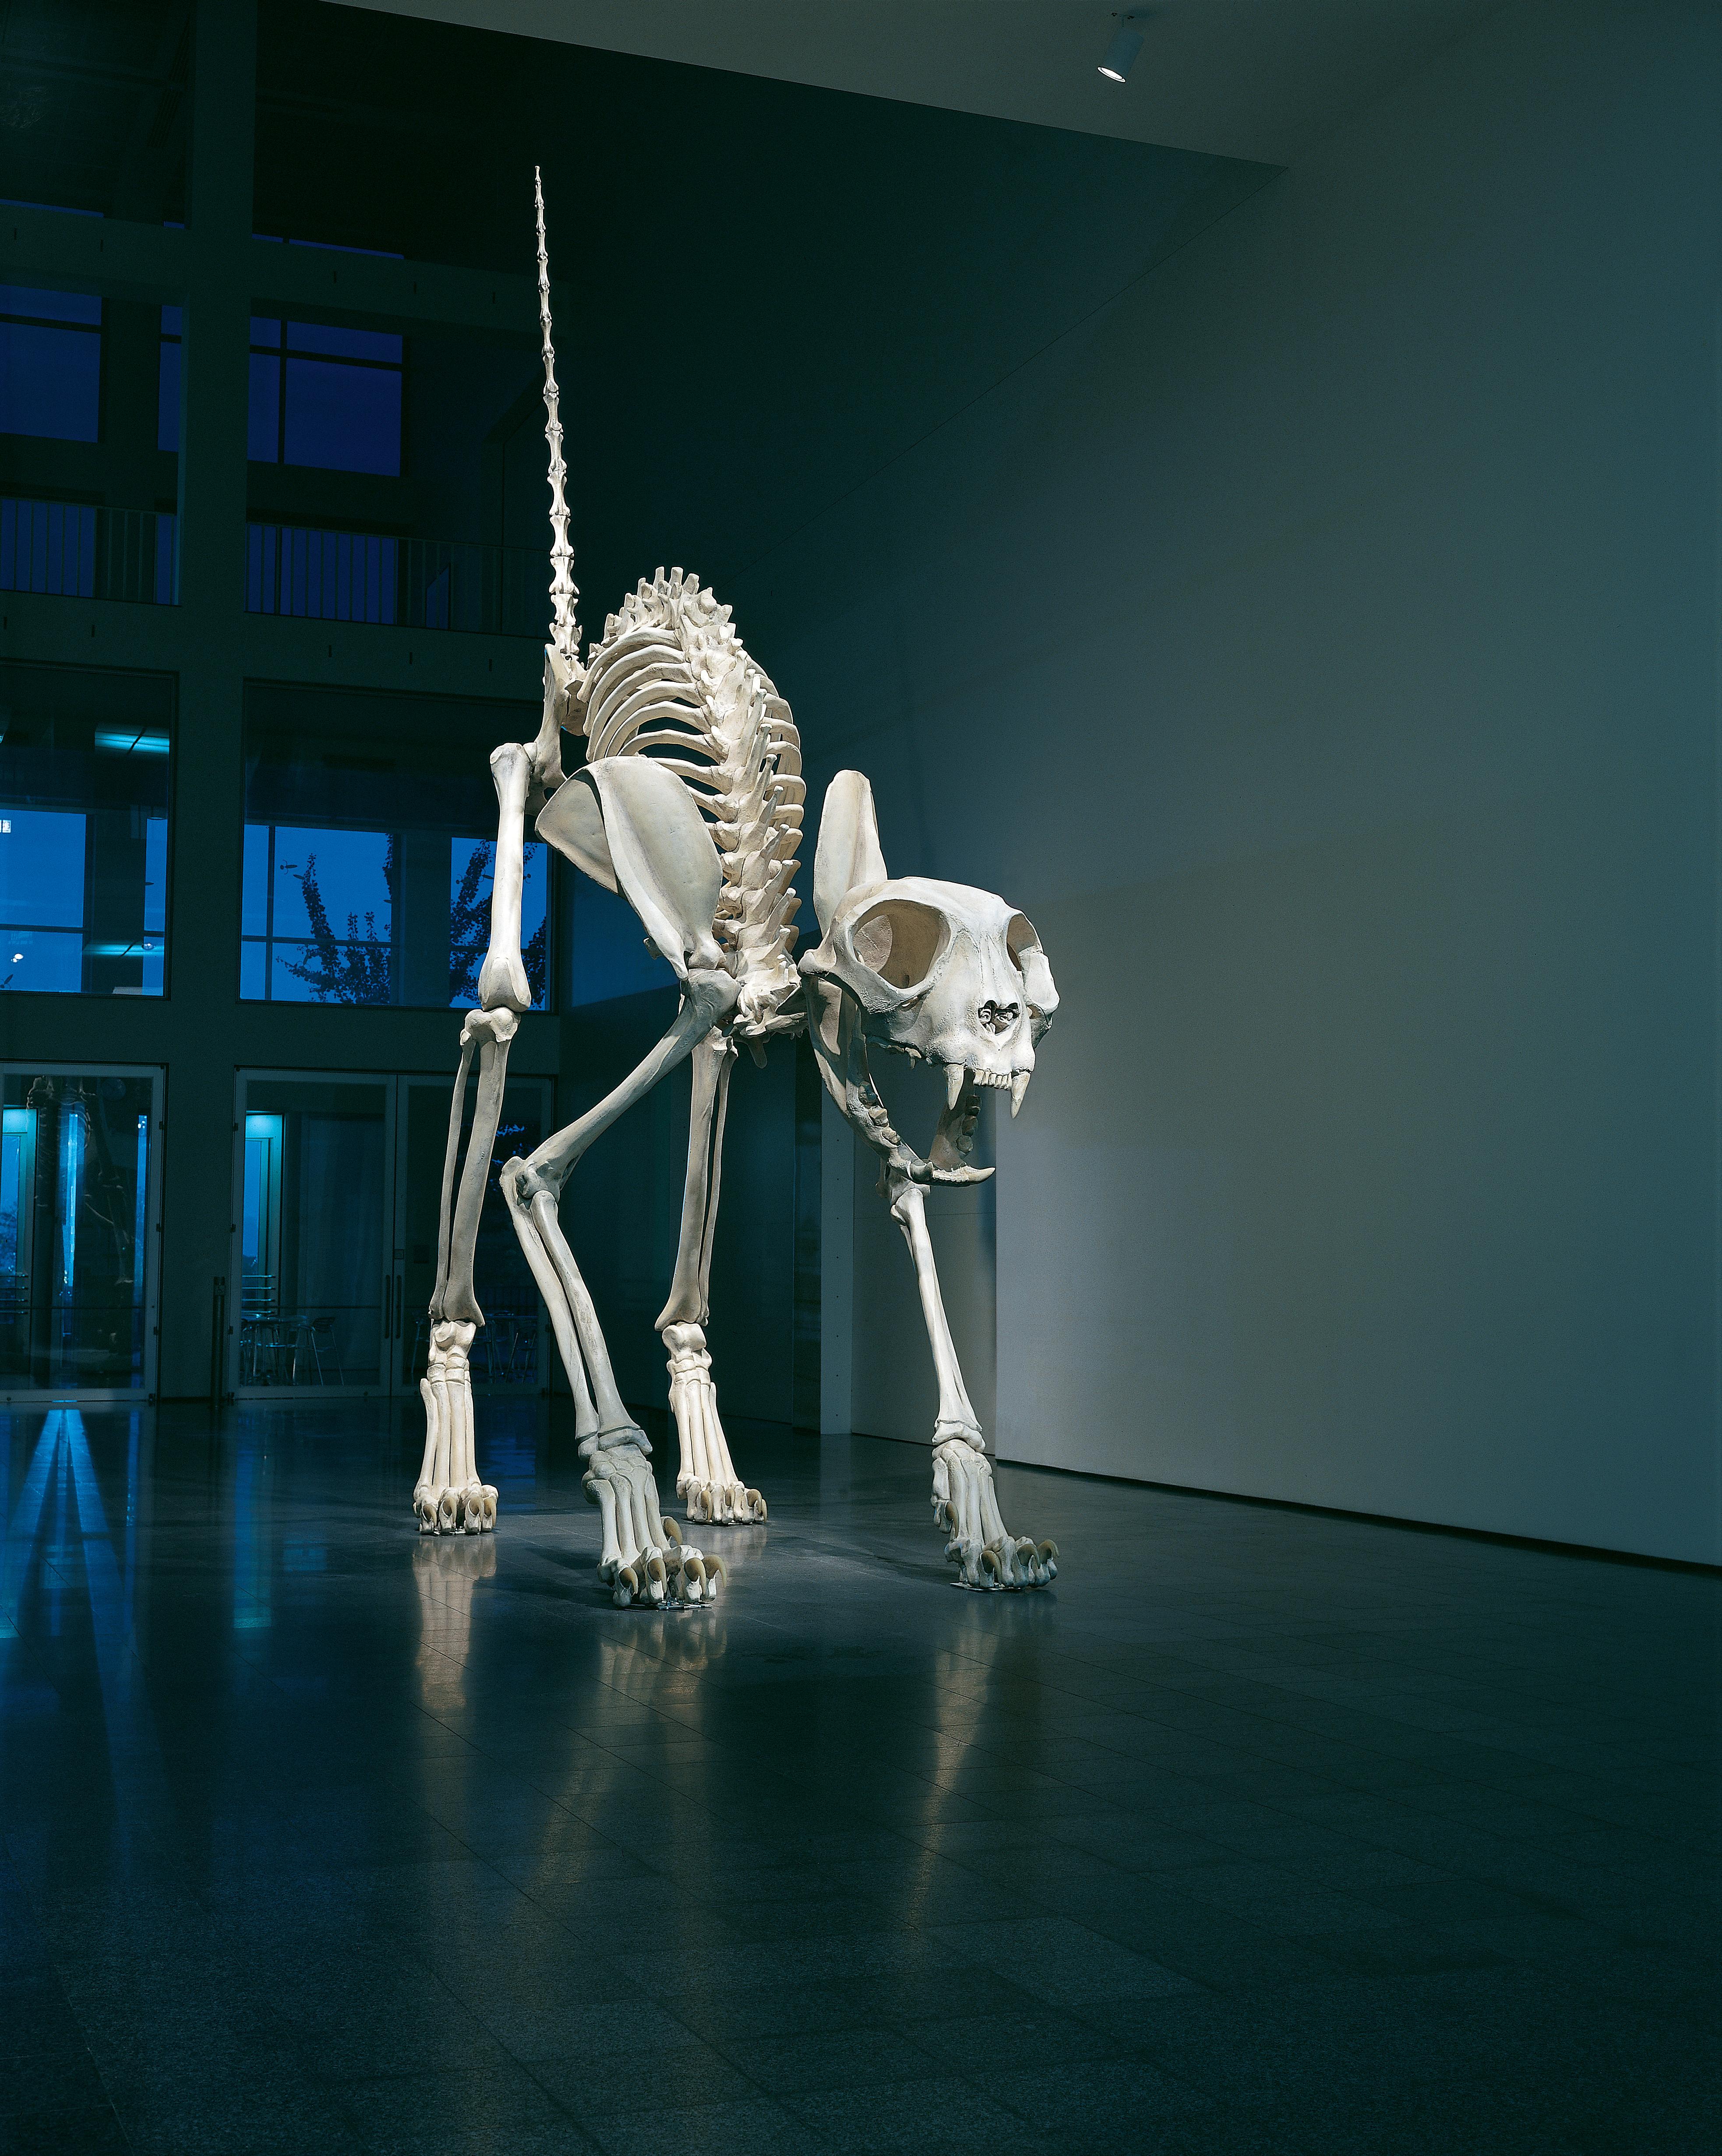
(707, 1477)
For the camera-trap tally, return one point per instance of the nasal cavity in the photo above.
(1000, 1017)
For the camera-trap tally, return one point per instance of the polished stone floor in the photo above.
(1261, 1832)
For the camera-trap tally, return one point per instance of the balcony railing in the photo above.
(82, 551)
(396, 583)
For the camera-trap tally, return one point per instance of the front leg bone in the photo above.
(965, 1504)
(449, 1498)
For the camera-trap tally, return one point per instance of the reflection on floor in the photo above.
(1261, 1832)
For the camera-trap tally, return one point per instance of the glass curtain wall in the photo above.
(77, 1277)
(369, 849)
(84, 804)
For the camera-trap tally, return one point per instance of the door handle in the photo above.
(400, 1301)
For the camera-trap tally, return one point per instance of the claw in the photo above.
(673, 1531)
(627, 1586)
(694, 1571)
(990, 1563)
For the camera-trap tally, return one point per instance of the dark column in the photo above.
(204, 956)
(421, 928)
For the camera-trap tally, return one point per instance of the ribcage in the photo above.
(670, 679)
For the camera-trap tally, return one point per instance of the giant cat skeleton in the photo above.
(689, 802)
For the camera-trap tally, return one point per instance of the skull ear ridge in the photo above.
(848, 854)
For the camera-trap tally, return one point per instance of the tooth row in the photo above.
(991, 1077)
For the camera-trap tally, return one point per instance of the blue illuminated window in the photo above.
(368, 844)
(472, 862)
(324, 917)
(329, 397)
(84, 832)
(50, 364)
(322, 396)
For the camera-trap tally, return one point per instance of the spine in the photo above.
(564, 635)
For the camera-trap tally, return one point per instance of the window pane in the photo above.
(155, 875)
(343, 418)
(43, 963)
(263, 418)
(287, 969)
(254, 960)
(330, 972)
(50, 382)
(344, 344)
(41, 868)
(392, 798)
(55, 306)
(333, 882)
(471, 864)
(254, 882)
(84, 830)
(333, 915)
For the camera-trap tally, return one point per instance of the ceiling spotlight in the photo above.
(1121, 53)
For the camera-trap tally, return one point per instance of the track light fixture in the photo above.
(1121, 53)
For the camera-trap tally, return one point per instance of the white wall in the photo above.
(1321, 644)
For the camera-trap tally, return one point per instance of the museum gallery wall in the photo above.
(1320, 640)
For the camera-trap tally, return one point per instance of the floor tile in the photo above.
(1326, 1837)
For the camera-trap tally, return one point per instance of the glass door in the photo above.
(79, 1230)
(338, 1182)
(312, 1256)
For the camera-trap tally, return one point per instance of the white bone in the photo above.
(690, 804)
(947, 974)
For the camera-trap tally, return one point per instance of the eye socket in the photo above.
(1023, 942)
(901, 940)
(1020, 935)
